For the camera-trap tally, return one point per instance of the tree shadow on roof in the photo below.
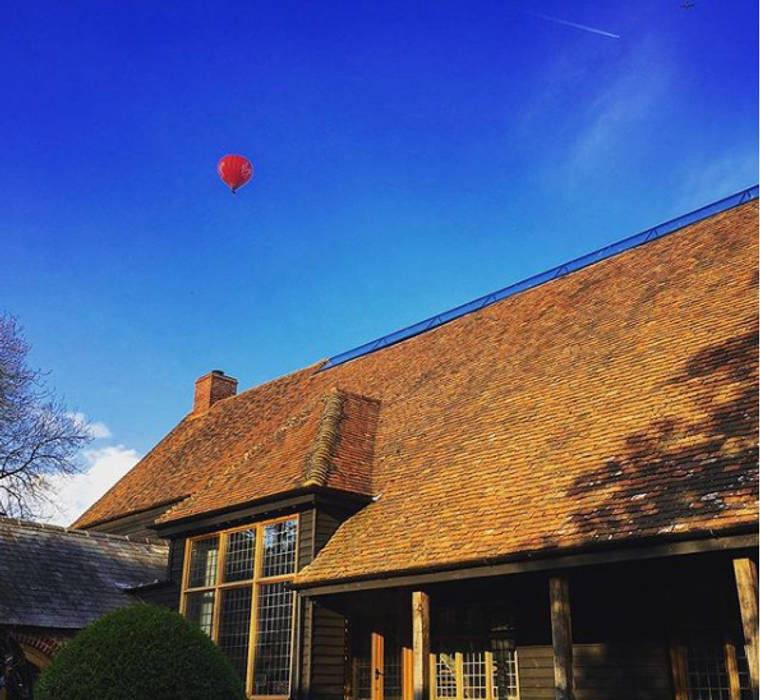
(682, 469)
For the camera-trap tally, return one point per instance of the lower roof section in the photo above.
(54, 577)
(545, 561)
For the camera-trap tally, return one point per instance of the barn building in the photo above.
(550, 492)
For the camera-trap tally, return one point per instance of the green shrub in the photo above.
(140, 652)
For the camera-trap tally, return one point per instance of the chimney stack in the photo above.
(212, 387)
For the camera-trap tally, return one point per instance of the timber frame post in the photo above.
(745, 572)
(421, 645)
(562, 638)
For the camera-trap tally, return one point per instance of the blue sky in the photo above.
(408, 157)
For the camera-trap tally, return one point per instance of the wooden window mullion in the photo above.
(217, 590)
(517, 672)
(459, 666)
(732, 670)
(489, 674)
(253, 632)
(185, 575)
(433, 677)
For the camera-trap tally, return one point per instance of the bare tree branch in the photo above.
(39, 438)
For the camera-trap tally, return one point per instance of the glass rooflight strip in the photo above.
(637, 239)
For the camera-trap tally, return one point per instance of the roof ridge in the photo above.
(308, 369)
(608, 251)
(318, 461)
(35, 525)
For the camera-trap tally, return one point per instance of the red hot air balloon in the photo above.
(235, 171)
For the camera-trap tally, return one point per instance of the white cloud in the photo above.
(619, 114)
(603, 101)
(96, 429)
(70, 496)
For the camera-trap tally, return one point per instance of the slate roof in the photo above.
(615, 403)
(54, 577)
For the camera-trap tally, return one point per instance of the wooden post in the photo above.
(421, 645)
(745, 572)
(562, 638)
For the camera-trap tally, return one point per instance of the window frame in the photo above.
(255, 583)
(490, 676)
(725, 645)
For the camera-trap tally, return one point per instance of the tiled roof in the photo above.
(326, 441)
(617, 402)
(54, 577)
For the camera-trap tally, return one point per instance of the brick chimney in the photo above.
(212, 387)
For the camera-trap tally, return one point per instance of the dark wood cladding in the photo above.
(167, 593)
(306, 525)
(323, 632)
(328, 654)
(134, 525)
(635, 671)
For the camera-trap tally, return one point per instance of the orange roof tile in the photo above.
(619, 401)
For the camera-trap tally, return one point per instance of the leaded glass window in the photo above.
(474, 669)
(361, 662)
(279, 548)
(239, 555)
(392, 670)
(706, 669)
(236, 590)
(505, 669)
(203, 562)
(707, 673)
(272, 669)
(199, 609)
(474, 655)
(445, 675)
(235, 626)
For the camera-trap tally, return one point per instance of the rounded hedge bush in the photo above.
(140, 652)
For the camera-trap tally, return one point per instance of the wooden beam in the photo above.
(745, 572)
(421, 645)
(533, 563)
(226, 519)
(562, 638)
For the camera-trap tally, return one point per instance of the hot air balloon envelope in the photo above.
(235, 171)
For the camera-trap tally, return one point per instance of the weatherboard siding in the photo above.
(134, 525)
(636, 671)
(323, 630)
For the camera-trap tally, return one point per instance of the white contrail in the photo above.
(584, 27)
